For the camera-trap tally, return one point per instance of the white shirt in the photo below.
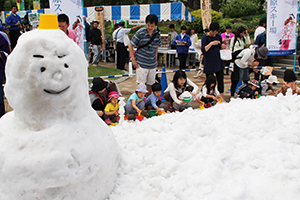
(171, 88)
(258, 31)
(182, 35)
(121, 32)
(247, 56)
(193, 40)
(204, 91)
(173, 35)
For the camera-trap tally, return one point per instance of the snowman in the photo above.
(53, 145)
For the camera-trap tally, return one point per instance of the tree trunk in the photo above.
(215, 5)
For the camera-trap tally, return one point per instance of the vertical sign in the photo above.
(205, 13)
(100, 18)
(20, 4)
(74, 11)
(36, 5)
(281, 27)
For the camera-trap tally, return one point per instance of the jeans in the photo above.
(130, 110)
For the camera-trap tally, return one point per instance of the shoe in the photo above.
(107, 121)
(171, 109)
(114, 124)
(126, 117)
(94, 65)
(208, 105)
(117, 119)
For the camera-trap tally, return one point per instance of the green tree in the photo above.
(240, 8)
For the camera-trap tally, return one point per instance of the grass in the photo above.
(103, 71)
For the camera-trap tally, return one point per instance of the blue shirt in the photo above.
(2, 28)
(135, 97)
(5, 36)
(182, 48)
(146, 57)
(260, 39)
(11, 20)
(151, 101)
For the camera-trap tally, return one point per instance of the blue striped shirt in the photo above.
(146, 57)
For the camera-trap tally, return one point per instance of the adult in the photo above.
(226, 38)
(96, 42)
(87, 36)
(116, 26)
(2, 27)
(98, 96)
(14, 25)
(121, 49)
(249, 57)
(4, 47)
(147, 40)
(172, 35)
(194, 42)
(211, 44)
(6, 38)
(240, 40)
(182, 42)
(64, 23)
(261, 28)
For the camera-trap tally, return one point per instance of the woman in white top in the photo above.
(176, 88)
(241, 38)
(194, 40)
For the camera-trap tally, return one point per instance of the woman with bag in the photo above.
(211, 44)
(237, 45)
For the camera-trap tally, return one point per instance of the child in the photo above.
(268, 84)
(136, 101)
(176, 88)
(248, 90)
(112, 109)
(289, 82)
(209, 91)
(153, 101)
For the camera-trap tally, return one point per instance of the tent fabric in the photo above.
(164, 11)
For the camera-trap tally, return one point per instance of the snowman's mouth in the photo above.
(56, 92)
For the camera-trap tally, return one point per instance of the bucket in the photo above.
(48, 21)
(152, 113)
(187, 99)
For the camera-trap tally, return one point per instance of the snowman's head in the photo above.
(46, 74)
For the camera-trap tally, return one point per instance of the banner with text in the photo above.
(281, 27)
(205, 13)
(72, 8)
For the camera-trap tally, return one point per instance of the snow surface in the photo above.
(242, 150)
(53, 146)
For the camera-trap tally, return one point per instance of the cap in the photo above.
(272, 79)
(254, 83)
(113, 94)
(141, 88)
(98, 84)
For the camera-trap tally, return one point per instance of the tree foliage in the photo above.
(240, 8)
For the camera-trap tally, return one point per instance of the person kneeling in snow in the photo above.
(176, 88)
(289, 82)
(136, 101)
(153, 101)
(268, 84)
(210, 92)
(111, 110)
(248, 90)
(98, 96)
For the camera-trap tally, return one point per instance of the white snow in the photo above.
(53, 146)
(242, 150)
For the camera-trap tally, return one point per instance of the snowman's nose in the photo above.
(57, 76)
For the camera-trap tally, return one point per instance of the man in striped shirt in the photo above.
(147, 40)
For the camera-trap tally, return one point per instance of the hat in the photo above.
(112, 94)
(183, 28)
(262, 52)
(141, 88)
(254, 83)
(98, 84)
(272, 79)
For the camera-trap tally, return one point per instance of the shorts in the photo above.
(146, 76)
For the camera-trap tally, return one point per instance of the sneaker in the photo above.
(171, 109)
(107, 121)
(94, 65)
(126, 117)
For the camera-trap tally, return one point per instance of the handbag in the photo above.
(225, 54)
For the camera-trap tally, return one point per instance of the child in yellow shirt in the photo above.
(111, 110)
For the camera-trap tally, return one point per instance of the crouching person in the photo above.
(111, 111)
(98, 96)
(248, 90)
(136, 101)
(153, 101)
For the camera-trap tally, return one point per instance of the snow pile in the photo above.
(246, 149)
(53, 146)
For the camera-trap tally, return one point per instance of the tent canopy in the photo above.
(164, 11)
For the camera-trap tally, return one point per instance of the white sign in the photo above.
(72, 8)
(281, 26)
(136, 22)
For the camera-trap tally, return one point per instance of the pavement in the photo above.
(128, 85)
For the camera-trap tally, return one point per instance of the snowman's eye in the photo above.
(43, 69)
(66, 66)
(38, 56)
(61, 56)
